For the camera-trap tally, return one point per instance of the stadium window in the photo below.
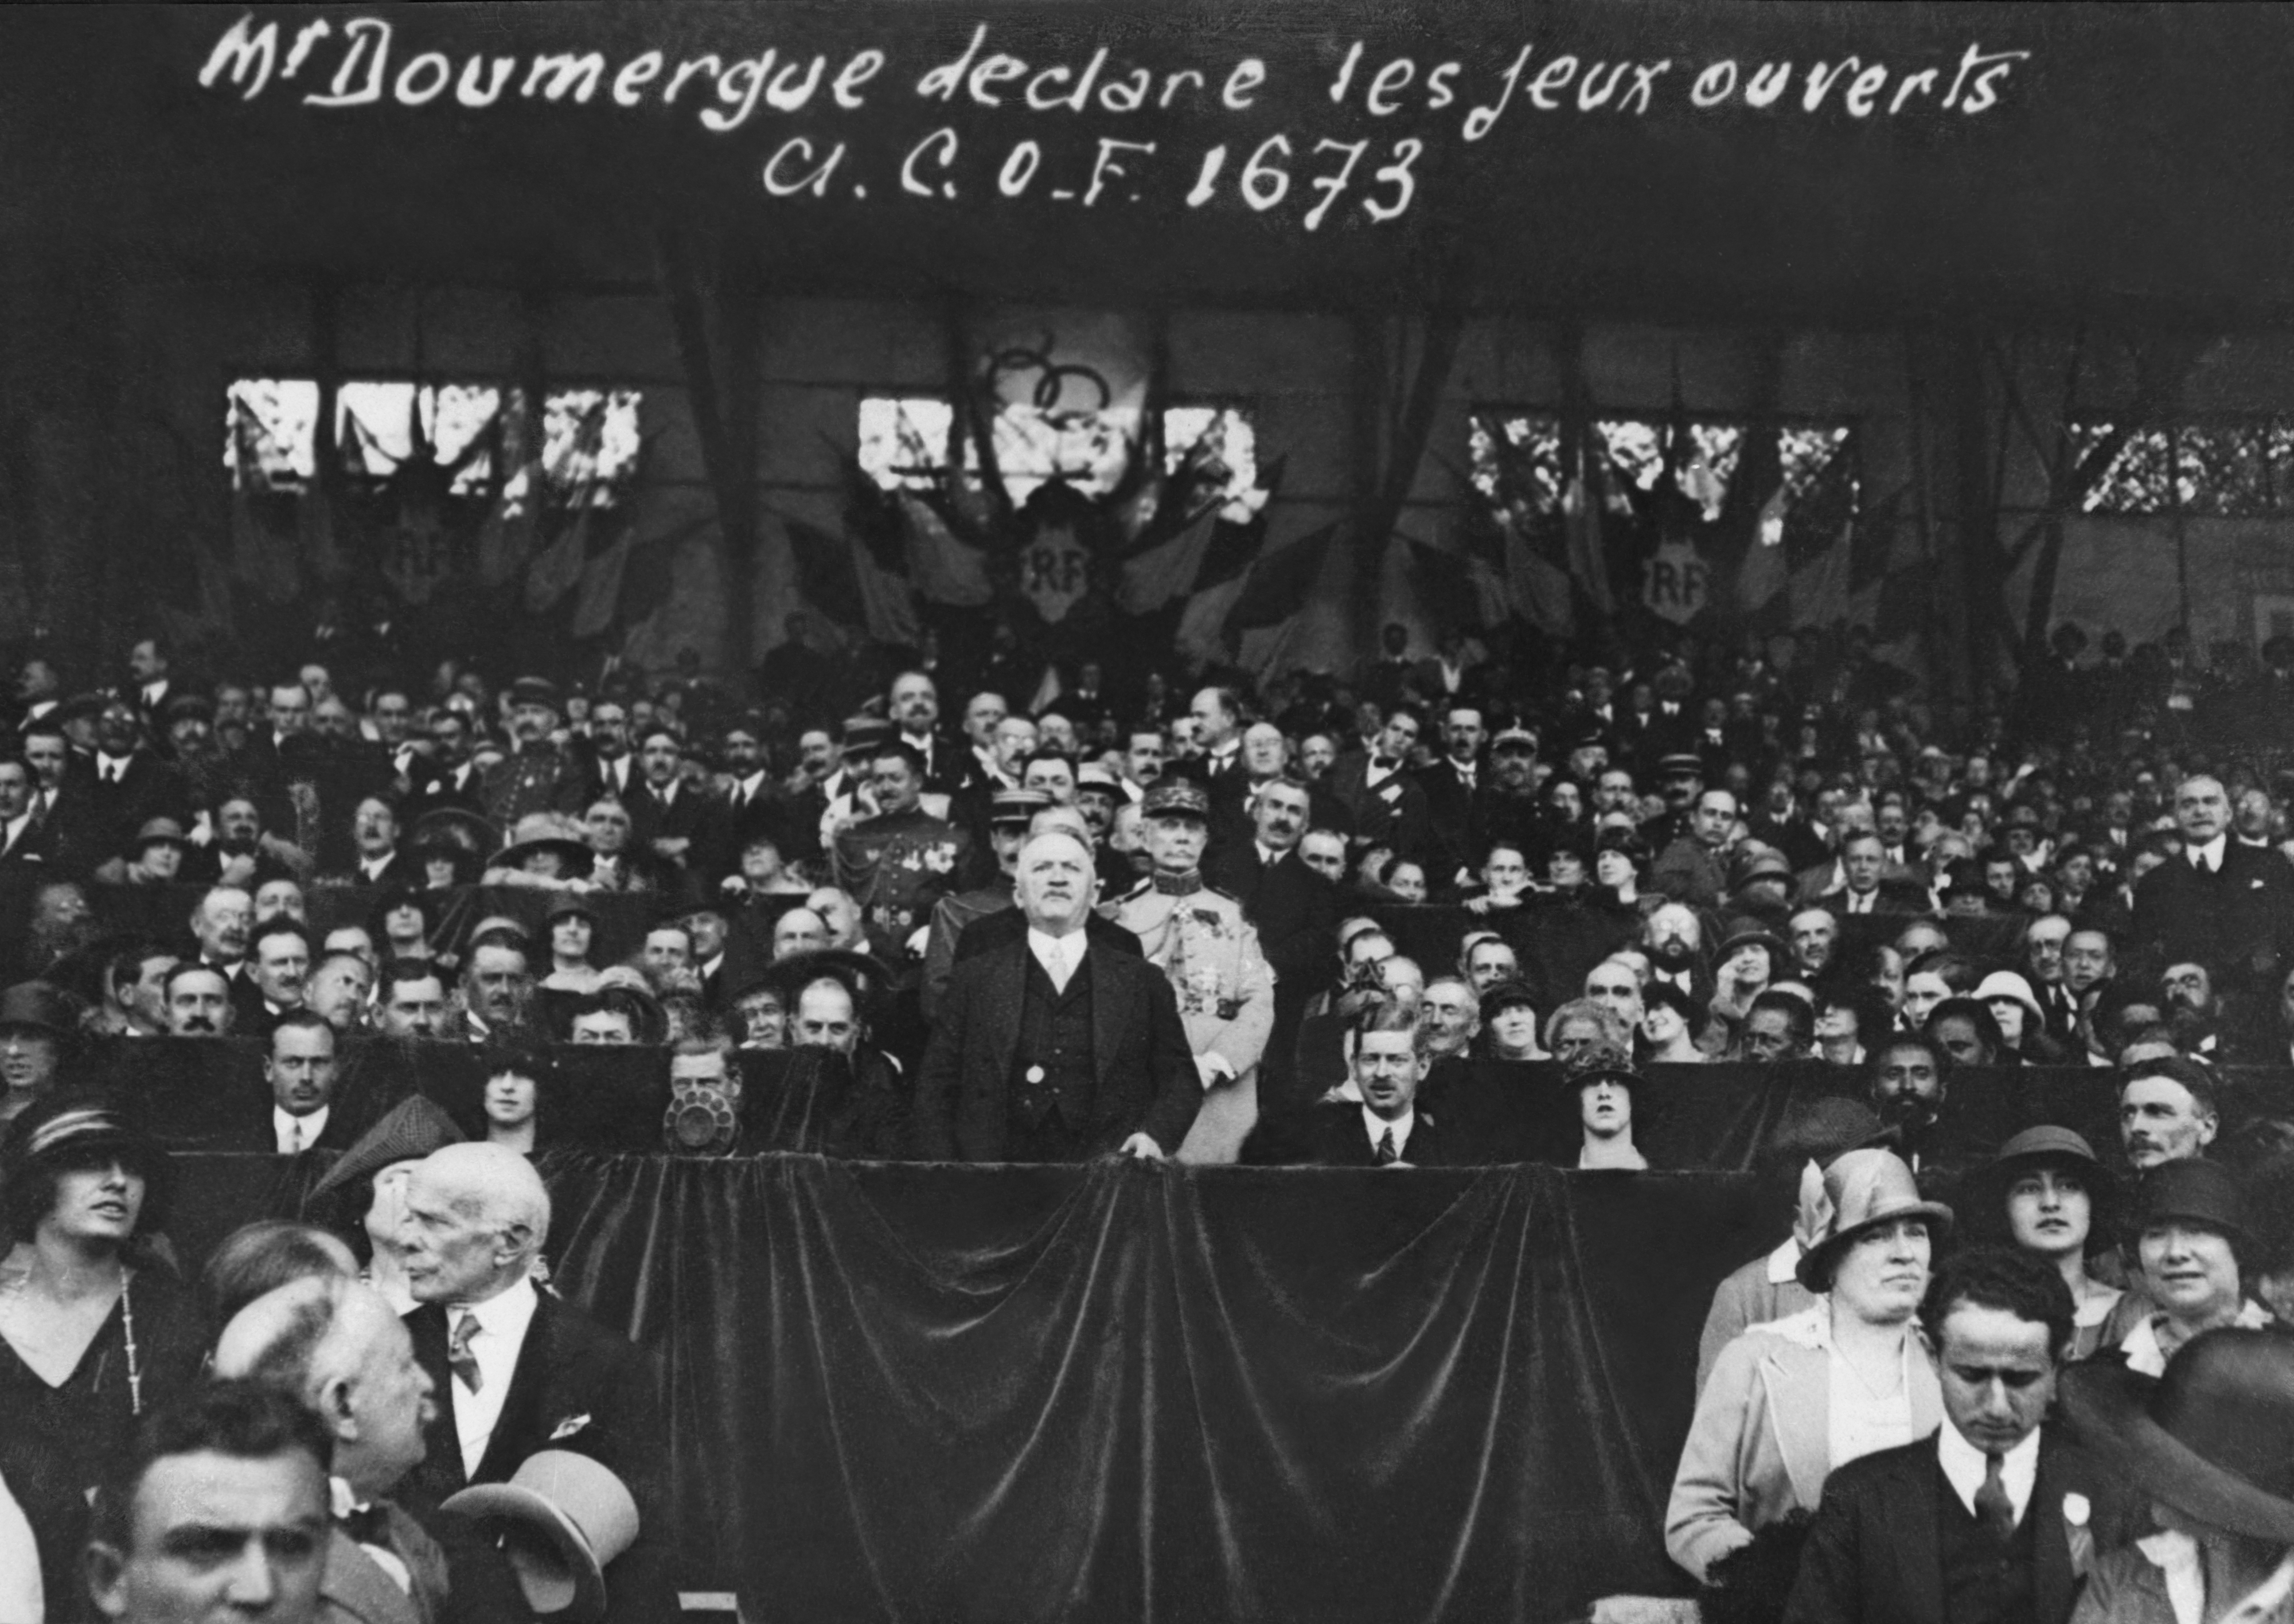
(589, 437)
(1516, 457)
(2227, 467)
(904, 444)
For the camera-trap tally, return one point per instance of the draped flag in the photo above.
(1764, 571)
(558, 570)
(1279, 583)
(941, 565)
(1541, 588)
(262, 556)
(1168, 569)
(601, 585)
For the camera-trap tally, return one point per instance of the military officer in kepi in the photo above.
(1198, 936)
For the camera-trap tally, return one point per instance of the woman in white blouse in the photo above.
(1790, 1402)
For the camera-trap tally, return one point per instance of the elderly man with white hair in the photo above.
(1053, 1046)
(515, 1369)
(337, 1348)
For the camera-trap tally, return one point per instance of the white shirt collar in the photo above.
(285, 1125)
(506, 1314)
(1060, 956)
(1267, 858)
(2211, 853)
(1378, 1127)
(1964, 1466)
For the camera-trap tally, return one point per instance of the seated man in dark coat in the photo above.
(1981, 1518)
(1053, 1047)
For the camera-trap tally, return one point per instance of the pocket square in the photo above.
(569, 1426)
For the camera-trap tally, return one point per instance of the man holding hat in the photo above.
(1992, 1516)
(536, 775)
(1199, 937)
(518, 1372)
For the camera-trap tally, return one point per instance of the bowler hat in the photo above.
(39, 1006)
(2213, 1437)
(2192, 1191)
(563, 1519)
(407, 1132)
(1860, 1190)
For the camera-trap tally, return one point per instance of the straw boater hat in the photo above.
(563, 1518)
(2213, 1437)
(1860, 1190)
(410, 1130)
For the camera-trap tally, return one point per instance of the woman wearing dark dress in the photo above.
(93, 1329)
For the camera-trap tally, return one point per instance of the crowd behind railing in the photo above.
(1047, 913)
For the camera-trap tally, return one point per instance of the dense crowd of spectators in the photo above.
(1660, 863)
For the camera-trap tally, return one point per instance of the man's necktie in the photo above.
(460, 1359)
(294, 1136)
(1386, 1150)
(1993, 1508)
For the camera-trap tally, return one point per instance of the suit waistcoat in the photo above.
(1053, 1062)
(1984, 1581)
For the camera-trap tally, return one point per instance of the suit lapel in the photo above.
(518, 1433)
(1009, 993)
(2051, 1578)
(1917, 1540)
(1106, 1024)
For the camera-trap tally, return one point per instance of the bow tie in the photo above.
(367, 1526)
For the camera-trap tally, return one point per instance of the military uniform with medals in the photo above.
(1199, 937)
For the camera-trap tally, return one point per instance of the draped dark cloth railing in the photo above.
(1112, 1392)
(919, 1392)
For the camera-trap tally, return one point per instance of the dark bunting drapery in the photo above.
(1108, 1392)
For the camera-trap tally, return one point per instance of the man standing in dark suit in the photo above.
(1382, 1125)
(1450, 784)
(2224, 905)
(451, 778)
(129, 786)
(1054, 1047)
(670, 819)
(1388, 805)
(515, 1369)
(1983, 1519)
(1294, 911)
